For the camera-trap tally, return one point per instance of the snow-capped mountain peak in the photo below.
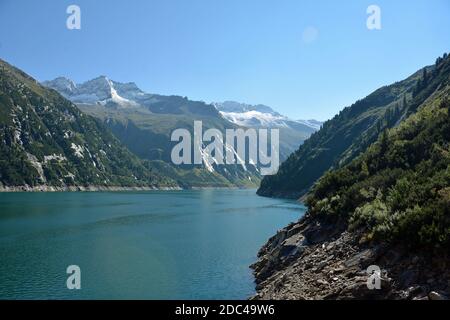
(100, 90)
(128, 90)
(255, 118)
(236, 107)
(261, 116)
(63, 85)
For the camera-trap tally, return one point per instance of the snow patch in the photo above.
(255, 118)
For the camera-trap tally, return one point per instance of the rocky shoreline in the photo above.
(45, 188)
(293, 195)
(316, 259)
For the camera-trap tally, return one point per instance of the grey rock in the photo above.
(322, 281)
(433, 295)
(363, 257)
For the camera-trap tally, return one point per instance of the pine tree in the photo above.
(445, 103)
(379, 126)
(424, 77)
(384, 143)
(417, 88)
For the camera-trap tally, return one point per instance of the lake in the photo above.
(136, 245)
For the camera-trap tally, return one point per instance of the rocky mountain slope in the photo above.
(388, 207)
(341, 139)
(292, 132)
(47, 143)
(144, 123)
(313, 260)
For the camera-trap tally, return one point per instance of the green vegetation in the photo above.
(399, 188)
(46, 140)
(148, 134)
(343, 138)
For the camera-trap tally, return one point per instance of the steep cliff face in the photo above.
(320, 259)
(388, 207)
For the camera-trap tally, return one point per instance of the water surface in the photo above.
(136, 245)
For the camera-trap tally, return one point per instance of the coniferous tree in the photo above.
(424, 77)
(384, 143)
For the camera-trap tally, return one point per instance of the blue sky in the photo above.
(251, 51)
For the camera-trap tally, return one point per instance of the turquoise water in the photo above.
(136, 245)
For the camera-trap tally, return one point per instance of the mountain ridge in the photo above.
(259, 115)
(341, 139)
(48, 142)
(144, 122)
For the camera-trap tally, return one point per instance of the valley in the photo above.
(144, 122)
(374, 178)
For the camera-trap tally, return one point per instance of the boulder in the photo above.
(434, 295)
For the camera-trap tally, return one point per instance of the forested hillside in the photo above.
(399, 188)
(388, 208)
(344, 137)
(47, 141)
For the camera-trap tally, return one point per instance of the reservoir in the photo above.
(136, 245)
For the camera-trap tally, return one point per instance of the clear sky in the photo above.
(306, 59)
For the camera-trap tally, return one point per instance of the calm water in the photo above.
(136, 245)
